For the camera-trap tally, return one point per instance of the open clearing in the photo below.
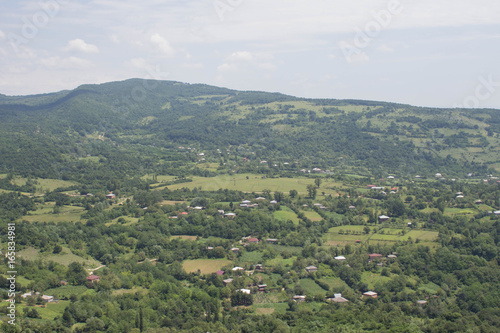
(44, 213)
(206, 266)
(253, 183)
(65, 258)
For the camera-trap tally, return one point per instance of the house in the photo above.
(220, 273)
(273, 202)
(260, 198)
(392, 256)
(227, 281)
(272, 240)
(299, 298)
(383, 218)
(26, 295)
(262, 287)
(110, 196)
(245, 291)
(63, 283)
(259, 267)
(93, 278)
(373, 256)
(230, 215)
(371, 294)
(341, 258)
(234, 269)
(253, 240)
(421, 302)
(47, 298)
(221, 211)
(246, 202)
(311, 269)
(477, 202)
(352, 207)
(337, 299)
(235, 249)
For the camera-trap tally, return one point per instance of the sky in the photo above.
(436, 53)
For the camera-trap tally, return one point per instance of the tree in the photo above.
(293, 193)
(311, 191)
(317, 181)
(76, 274)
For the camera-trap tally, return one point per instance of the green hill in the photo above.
(136, 126)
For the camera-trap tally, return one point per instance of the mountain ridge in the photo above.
(344, 135)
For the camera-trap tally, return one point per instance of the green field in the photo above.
(311, 287)
(44, 213)
(285, 214)
(64, 292)
(44, 185)
(371, 279)
(255, 183)
(254, 257)
(349, 234)
(312, 215)
(66, 257)
(206, 266)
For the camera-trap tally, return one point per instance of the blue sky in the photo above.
(440, 53)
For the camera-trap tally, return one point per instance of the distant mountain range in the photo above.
(58, 134)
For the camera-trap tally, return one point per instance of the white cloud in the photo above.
(2, 35)
(385, 48)
(79, 45)
(163, 45)
(193, 66)
(241, 55)
(227, 68)
(65, 63)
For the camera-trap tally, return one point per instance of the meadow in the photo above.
(205, 266)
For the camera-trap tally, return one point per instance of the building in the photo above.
(341, 258)
(253, 240)
(110, 196)
(93, 278)
(371, 294)
(311, 269)
(337, 299)
(299, 298)
(383, 218)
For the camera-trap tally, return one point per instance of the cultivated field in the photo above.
(206, 266)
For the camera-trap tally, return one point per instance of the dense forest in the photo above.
(157, 206)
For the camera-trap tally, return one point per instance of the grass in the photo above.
(371, 279)
(335, 283)
(64, 292)
(264, 309)
(430, 288)
(285, 214)
(280, 261)
(254, 257)
(254, 183)
(134, 290)
(65, 258)
(185, 237)
(206, 266)
(44, 185)
(313, 216)
(311, 287)
(356, 232)
(44, 214)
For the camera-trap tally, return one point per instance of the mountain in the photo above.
(132, 127)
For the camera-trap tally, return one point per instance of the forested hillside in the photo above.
(148, 206)
(54, 134)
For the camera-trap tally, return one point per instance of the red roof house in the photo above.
(253, 240)
(93, 278)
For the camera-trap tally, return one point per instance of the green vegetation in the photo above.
(310, 198)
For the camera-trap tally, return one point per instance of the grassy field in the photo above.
(64, 292)
(335, 283)
(352, 233)
(285, 214)
(312, 215)
(66, 257)
(44, 213)
(206, 266)
(280, 261)
(311, 287)
(254, 257)
(265, 309)
(371, 279)
(254, 183)
(185, 237)
(44, 185)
